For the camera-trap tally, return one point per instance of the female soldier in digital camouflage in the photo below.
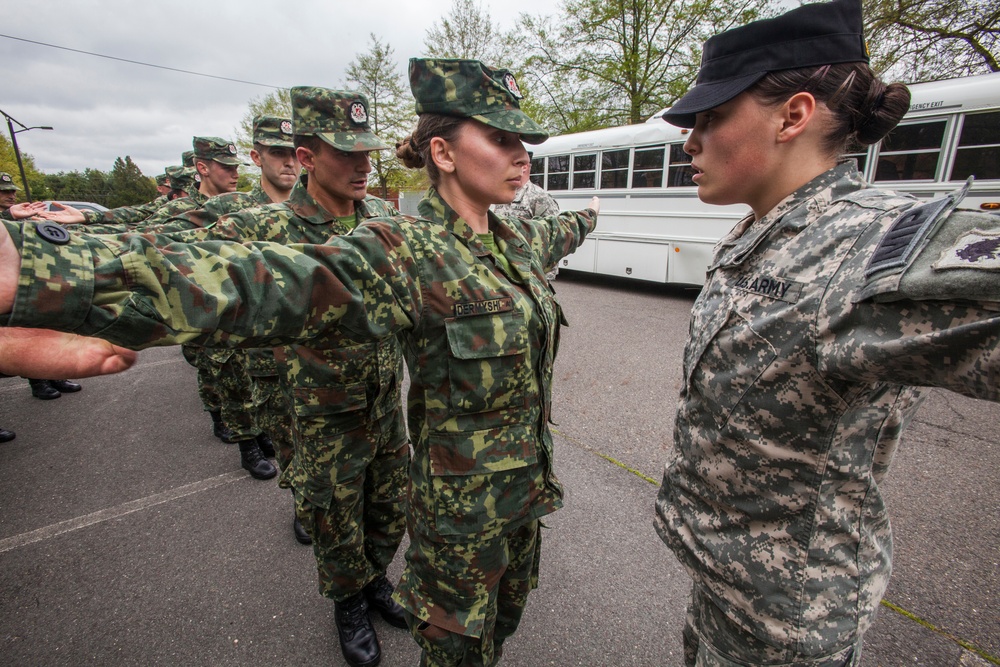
(823, 312)
(464, 289)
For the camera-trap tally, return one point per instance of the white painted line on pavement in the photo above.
(70, 525)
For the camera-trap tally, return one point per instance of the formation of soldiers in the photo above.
(340, 409)
(793, 403)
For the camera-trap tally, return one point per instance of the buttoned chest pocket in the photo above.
(487, 368)
(732, 358)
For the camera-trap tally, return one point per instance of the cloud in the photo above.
(102, 109)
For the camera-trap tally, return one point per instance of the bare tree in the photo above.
(925, 40)
(469, 31)
(377, 74)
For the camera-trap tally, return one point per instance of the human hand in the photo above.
(26, 209)
(595, 203)
(64, 215)
(45, 353)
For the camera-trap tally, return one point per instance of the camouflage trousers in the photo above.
(349, 495)
(271, 409)
(207, 391)
(711, 639)
(463, 599)
(225, 372)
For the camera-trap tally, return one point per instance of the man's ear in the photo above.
(306, 158)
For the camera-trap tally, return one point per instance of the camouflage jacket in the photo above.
(165, 212)
(331, 377)
(211, 210)
(124, 215)
(799, 374)
(479, 341)
(530, 201)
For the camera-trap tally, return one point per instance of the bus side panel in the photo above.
(583, 259)
(628, 259)
(689, 262)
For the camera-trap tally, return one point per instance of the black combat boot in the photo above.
(301, 534)
(266, 445)
(65, 386)
(254, 461)
(358, 641)
(5, 435)
(43, 390)
(220, 430)
(378, 592)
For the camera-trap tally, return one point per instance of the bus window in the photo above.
(584, 171)
(558, 172)
(648, 169)
(680, 171)
(858, 153)
(538, 171)
(614, 169)
(978, 151)
(910, 152)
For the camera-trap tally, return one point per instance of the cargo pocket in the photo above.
(480, 480)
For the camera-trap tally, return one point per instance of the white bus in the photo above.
(653, 227)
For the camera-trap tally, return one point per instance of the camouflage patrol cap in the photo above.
(187, 158)
(162, 179)
(181, 178)
(272, 131)
(7, 183)
(470, 89)
(338, 117)
(217, 149)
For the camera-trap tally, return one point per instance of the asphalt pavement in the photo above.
(129, 535)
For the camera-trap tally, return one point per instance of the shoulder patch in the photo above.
(907, 234)
(976, 249)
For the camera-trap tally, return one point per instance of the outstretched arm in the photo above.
(44, 353)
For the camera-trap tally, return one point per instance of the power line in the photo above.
(137, 62)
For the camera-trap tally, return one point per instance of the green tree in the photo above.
(91, 185)
(613, 62)
(36, 179)
(927, 40)
(376, 73)
(128, 185)
(275, 103)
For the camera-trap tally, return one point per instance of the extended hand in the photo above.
(42, 353)
(26, 210)
(64, 215)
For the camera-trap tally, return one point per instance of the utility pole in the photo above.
(17, 151)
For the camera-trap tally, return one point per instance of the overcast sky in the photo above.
(101, 109)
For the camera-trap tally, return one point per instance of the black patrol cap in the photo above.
(824, 33)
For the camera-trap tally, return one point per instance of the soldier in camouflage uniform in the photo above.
(351, 451)
(823, 314)
(464, 289)
(8, 192)
(162, 184)
(224, 374)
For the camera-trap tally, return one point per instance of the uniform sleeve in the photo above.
(920, 322)
(557, 236)
(129, 291)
